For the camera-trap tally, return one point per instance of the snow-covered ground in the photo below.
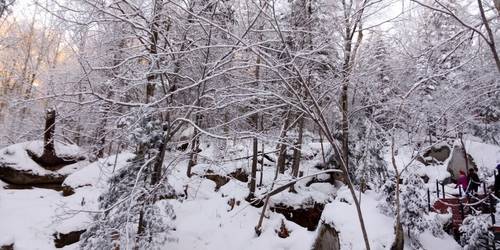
(205, 219)
(30, 217)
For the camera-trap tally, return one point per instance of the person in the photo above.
(462, 180)
(497, 182)
(473, 181)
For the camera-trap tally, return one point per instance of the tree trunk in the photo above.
(398, 243)
(491, 36)
(322, 147)
(297, 151)
(282, 146)
(253, 175)
(261, 164)
(195, 146)
(48, 135)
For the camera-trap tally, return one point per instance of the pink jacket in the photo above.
(462, 181)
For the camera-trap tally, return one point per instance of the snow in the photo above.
(206, 221)
(205, 218)
(429, 241)
(486, 156)
(97, 173)
(343, 217)
(342, 214)
(29, 224)
(34, 215)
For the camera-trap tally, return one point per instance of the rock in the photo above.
(435, 155)
(67, 190)
(240, 175)
(218, 179)
(62, 240)
(7, 247)
(327, 238)
(19, 165)
(457, 162)
(26, 177)
(307, 216)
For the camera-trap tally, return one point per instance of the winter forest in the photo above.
(249, 124)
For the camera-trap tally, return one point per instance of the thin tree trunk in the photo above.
(284, 128)
(297, 151)
(253, 174)
(398, 243)
(322, 147)
(282, 146)
(261, 164)
(49, 151)
(255, 142)
(491, 42)
(195, 146)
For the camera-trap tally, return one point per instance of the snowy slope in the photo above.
(205, 219)
(30, 217)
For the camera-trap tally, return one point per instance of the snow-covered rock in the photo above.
(18, 167)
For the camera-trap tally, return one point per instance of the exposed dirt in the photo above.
(62, 240)
(218, 179)
(240, 175)
(306, 216)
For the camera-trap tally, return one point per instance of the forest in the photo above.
(249, 124)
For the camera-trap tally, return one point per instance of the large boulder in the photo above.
(457, 162)
(436, 154)
(327, 238)
(18, 167)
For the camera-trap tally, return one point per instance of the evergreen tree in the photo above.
(134, 212)
(413, 207)
(475, 233)
(388, 190)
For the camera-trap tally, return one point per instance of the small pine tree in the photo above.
(475, 233)
(413, 207)
(134, 216)
(388, 205)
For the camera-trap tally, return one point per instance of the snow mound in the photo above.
(97, 173)
(486, 156)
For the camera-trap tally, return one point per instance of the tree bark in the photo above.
(195, 146)
(282, 146)
(48, 135)
(491, 42)
(398, 243)
(298, 149)
(253, 174)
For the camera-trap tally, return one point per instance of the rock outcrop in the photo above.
(327, 238)
(18, 166)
